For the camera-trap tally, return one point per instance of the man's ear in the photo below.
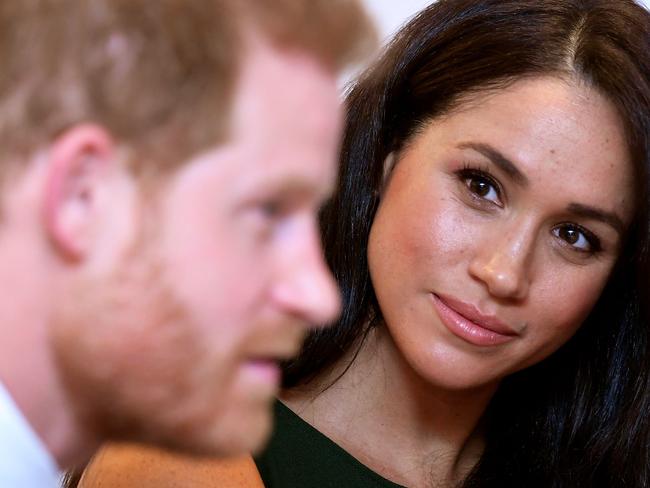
(77, 168)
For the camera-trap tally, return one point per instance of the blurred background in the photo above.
(391, 14)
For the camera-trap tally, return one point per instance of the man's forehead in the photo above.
(279, 87)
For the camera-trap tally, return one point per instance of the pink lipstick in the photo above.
(468, 323)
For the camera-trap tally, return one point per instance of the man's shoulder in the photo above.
(24, 460)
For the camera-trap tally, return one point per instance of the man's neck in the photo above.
(29, 374)
(28, 289)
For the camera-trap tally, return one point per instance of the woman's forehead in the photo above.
(556, 134)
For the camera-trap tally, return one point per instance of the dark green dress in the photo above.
(299, 456)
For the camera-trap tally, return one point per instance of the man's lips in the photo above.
(278, 342)
(271, 352)
(467, 322)
(263, 370)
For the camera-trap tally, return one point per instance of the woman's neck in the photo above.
(391, 419)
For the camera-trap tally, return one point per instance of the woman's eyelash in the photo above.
(479, 183)
(470, 171)
(595, 245)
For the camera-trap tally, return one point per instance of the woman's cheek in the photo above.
(564, 299)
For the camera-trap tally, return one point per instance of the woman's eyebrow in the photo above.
(593, 213)
(498, 159)
(508, 167)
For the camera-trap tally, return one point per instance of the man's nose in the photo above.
(308, 290)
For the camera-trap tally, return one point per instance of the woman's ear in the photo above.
(76, 172)
(389, 164)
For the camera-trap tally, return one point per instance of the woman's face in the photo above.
(498, 228)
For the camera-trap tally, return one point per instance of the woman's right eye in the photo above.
(481, 185)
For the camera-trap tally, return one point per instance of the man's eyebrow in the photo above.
(593, 213)
(297, 187)
(498, 159)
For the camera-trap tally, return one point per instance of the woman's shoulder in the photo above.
(300, 455)
(136, 466)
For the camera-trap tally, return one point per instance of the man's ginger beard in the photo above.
(130, 358)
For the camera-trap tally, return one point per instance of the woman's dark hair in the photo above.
(580, 417)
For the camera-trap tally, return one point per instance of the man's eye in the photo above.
(578, 238)
(271, 209)
(274, 208)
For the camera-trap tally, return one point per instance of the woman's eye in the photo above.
(578, 238)
(482, 187)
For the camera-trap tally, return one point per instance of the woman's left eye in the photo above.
(578, 238)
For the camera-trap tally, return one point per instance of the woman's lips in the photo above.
(466, 322)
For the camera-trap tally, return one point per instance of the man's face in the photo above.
(221, 277)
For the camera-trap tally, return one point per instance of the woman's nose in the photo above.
(502, 264)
